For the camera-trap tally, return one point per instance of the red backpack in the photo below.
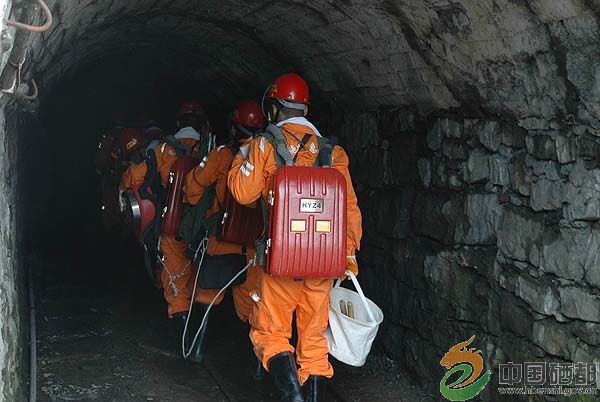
(174, 209)
(241, 224)
(306, 215)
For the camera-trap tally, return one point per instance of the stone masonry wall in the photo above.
(479, 226)
(472, 226)
(13, 333)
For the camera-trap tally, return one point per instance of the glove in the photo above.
(121, 201)
(351, 264)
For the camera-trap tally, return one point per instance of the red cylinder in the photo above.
(139, 212)
(241, 224)
(173, 212)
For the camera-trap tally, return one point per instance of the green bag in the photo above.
(195, 226)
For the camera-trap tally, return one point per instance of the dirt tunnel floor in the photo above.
(103, 336)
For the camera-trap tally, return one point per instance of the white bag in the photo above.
(350, 340)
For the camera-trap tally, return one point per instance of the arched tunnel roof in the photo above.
(499, 56)
(478, 183)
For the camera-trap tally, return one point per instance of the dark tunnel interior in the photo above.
(59, 147)
(73, 118)
(102, 270)
(472, 129)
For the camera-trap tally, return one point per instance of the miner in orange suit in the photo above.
(194, 129)
(278, 299)
(245, 121)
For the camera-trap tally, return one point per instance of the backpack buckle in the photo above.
(224, 218)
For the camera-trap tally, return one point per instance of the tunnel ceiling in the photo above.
(527, 59)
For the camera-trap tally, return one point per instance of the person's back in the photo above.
(166, 155)
(278, 299)
(212, 171)
(177, 270)
(211, 175)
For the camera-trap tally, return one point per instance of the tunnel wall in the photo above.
(14, 336)
(479, 227)
(478, 183)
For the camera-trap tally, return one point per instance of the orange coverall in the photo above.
(213, 169)
(177, 273)
(272, 317)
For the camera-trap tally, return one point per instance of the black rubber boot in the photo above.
(178, 324)
(315, 388)
(260, 373)
(282, 368)
(197, 354)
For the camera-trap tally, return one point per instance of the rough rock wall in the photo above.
(13, 332)
(527, 59)
(483, 226)
(479, 226)
(14, 336)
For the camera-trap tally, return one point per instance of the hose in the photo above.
(34, 28)
(22, 95)
(32, 341)
(11, 76)
(35, 93)
(210, 306)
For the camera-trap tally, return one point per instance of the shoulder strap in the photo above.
(151, 180)
(180, 148)
(195, 226)
(274, 135)
(301, 146)
(325, 147)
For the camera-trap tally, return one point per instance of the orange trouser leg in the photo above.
(176, 275)
(242, 294)
(312, 318)
(271, 319)
(272, 322)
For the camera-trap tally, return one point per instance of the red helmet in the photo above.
(249, 114)
(130, 141)
(291, 90)
(190, 107)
